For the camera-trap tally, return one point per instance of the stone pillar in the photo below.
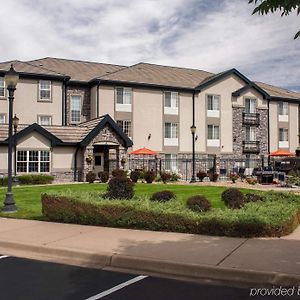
(88, 152)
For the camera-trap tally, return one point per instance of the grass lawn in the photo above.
(28, 198)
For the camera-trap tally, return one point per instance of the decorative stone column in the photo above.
(87, 166)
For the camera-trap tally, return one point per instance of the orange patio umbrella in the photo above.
(143, 151)
(282, 153)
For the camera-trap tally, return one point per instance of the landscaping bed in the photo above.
(277, 215)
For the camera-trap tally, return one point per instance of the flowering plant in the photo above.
(89, 158)
(233, 176)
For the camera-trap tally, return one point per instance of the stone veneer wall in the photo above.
(84, 92)
(239, 132)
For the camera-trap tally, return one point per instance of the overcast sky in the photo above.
(204, 34)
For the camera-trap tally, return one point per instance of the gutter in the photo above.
(268, 131)
(97, 99)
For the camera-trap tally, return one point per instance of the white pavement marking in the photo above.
(3, 256)
(117, 287)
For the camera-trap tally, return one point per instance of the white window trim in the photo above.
(4, 86)
(283, 115)
(171, 141)
(40, 89)
(125, 107)
(43, 116)
(283, 144)
(173, 109)
(71, 121)
(252, 134)
(252, 100)
(38, 161)
(3, 115)
(123, 126)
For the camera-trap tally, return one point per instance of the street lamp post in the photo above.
(193, 131)
(11, 79)
(15, 124)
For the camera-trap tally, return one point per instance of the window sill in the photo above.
(213, 143)
(170, 142)
(283, 118)
(213, 113)
(123, 107)
(171, 110)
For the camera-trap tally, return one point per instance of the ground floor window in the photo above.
(32, 161)
(251, 161)
(125, 125)
(171, 162)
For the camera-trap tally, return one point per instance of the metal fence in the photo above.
(183, 166)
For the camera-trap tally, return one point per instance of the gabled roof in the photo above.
(240, 91)
(80, 135)
(78, 70)
(277, 92)
(96, 127)
(157, 75)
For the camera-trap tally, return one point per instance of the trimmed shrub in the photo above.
(233, 198)
(135, 176)
(119, 173)
(35, 179)
(250, 197)
(175, 177)
(162, 196)
(213, 176)
(3, 181)
(149, 176)
(201, 175)
(90, 177)
(165, 176)
(120, 188)
(198, 203)
(103, 176)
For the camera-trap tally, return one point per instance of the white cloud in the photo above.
(186, 33)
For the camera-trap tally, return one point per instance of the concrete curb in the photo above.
(142, 265)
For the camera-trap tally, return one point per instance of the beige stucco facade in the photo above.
(27, 105)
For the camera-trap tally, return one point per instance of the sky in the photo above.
(212, 35)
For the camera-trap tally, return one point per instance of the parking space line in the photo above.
(117, 287)
(3, 256)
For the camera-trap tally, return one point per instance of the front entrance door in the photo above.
(98, 162)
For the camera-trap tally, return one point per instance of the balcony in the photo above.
(251, 119)
(251, 147)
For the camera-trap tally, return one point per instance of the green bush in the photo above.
(120, 188)
(250, 197)
(162, 196)
(175, 177)
(135, 176)
(165, 176)
(149, 176)
(103, 176)
(3, 181)
(233, 198)
(35, 179)
(198, 203)
(260, 219)
(119, 173)
(90, 177)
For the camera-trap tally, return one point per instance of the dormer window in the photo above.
(45, 90)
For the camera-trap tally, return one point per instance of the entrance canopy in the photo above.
(282, 153)
(143, 151)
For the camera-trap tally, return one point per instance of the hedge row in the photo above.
(30, 179)
(267, 219)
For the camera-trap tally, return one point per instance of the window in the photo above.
(2, 87)
(2, 118)
(171, 103)
(45, 120)
(213, 132)
(283, 135)
(251, 161)
(213, 102)
(33, 161)
(45, 90)
(250, 106)
(283, 108)
(250, 134)
(213, 136)
(171, 134)
(123, 99)
(171, 162)
(75, 109)
(125, 126)
(171, 130)
(283, 138)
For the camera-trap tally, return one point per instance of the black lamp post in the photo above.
(15, 124)
(193, 131)
(11, 79)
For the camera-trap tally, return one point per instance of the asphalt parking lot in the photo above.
(35, 280)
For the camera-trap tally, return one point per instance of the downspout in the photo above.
(75, 163)
(269, 128)
(194, 107)
(65, 99)
(97, 100)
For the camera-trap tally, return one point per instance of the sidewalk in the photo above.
(253, 261)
